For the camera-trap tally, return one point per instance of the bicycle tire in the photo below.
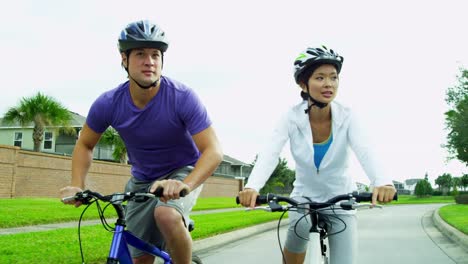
(325, 260)
(196, 259)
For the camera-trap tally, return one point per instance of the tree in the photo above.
(423, 188)
(42, 111)
(111, 137)
(464, 181)
(456, 118)
(281, 178)
(456, 182)
(445, 182)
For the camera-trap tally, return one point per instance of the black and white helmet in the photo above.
(314, 57)
(142, 34)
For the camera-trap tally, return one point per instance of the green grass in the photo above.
(456, 215)
(211, 203)
(36, 211)
(411, 199)
(61, 246)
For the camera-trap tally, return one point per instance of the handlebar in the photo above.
(348, 201)
(85, 197)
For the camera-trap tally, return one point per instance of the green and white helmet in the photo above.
(315, 57)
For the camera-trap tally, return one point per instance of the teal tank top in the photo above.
(320, 149)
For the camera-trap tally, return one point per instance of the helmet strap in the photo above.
(154, 84)
(145, 87)
(313, 102)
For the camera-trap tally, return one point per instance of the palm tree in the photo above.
(111, 137)
(42, 111)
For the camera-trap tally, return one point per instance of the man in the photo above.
(169, 139)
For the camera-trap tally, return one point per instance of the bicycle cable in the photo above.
(79, 229)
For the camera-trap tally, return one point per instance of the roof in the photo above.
(412, 181)
(77, 121)
(234, 161)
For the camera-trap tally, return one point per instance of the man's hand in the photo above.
(70, 191)
(172, 189)
(383, 194)
(248, 197)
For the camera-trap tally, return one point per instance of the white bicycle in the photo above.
(316, 249)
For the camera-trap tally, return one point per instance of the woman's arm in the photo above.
(265, 164)
(362, 144)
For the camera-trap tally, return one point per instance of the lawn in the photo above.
(61, 245)
(36, 211)
(411, 199)
(456, 215)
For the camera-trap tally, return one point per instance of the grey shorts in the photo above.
(342, 246)
(140, 215)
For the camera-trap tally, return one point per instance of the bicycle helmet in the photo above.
(142, 34)
(315, 57)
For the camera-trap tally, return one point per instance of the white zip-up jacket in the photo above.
(332, 177)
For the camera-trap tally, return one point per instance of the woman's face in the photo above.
(323, 83)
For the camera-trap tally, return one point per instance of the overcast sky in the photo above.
(399, 59)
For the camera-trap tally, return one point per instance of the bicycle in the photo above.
(119, 252)
(316, 249)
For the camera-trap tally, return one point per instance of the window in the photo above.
(18, 139)
(48, 140)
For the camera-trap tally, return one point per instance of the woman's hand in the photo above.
(248, 197)
(383, 194)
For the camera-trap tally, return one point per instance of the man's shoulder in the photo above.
(110, 95)
(175, 85)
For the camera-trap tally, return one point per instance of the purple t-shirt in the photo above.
(159, 136)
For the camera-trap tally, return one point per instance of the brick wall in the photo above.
(34, 174)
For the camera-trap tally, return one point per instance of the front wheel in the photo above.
(324, 259)
(196, 259)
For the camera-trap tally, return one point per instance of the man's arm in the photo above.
(211, 156)
(81, 161)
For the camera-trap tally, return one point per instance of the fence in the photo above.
(35, 174)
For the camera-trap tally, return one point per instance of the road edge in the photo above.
(454, 234)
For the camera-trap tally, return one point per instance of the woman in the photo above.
(320, 132)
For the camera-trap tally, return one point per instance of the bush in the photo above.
(436, 193)
(461, 199)
(423, 188)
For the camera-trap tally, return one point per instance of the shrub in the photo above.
(423, 188)
(461, 199)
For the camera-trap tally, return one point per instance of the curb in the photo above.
(455, 235)
(218, 241)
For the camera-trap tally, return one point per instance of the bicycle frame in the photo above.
(119, 252)
(316, 252)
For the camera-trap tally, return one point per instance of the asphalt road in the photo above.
(396, 234)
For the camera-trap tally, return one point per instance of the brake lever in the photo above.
(143, 197)
(259, 208)
(366, 205)
(277, 208)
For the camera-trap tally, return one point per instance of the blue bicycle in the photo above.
(119, 252)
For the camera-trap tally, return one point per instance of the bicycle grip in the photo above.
(261, 199)
(367, 197)
(159, 192)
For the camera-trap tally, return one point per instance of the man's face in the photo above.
(143, 64)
